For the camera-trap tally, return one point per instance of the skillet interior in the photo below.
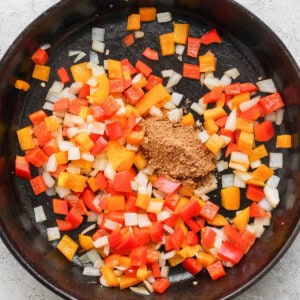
(247, 45)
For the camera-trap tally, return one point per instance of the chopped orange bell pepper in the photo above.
(80, 72)
(86, 242)
(41, 72)
(207, 63)
(188, 119)
(109, 275)
(230, 198)
(181, 33)
(134, 22)
(167, 44)
(71, 181)
(67, 247)
(284, 141)
(258, 153)
(241, 219)
(114, 69)
(215, 143)
(147, 14)
(25, 138)
(22, 85)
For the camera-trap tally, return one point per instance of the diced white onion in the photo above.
(222, 165)
(103, 281)
(276, 160)
(88, 229)
(92, 81)
(273, 181)
(165, 271)
(148, 286)
(98, 46)
(73, 169)
(57, 87)
(264, 203)
(48, 179)
(92, 217)
(109, 171)
(179, 49)
(39, 214)
(271, 117)
(74, 153)
(176, 98)
(73, 52)
(238, 182)
(227, 180)
(155, 112)
(93, 255)
(140, 290)
(45, 46)
(53, 234)
(138, 34)
(231, 121)
(62, 192)
(248, 104)
(168, 229)
(211, 82)
(141, 179)
(173, 80)
(110, 224)
(167, 73)
(225, 80)
(101, 242)
(272, 195)
(169, 105)
(75, 87)
(175, 115)
(279, 116)
(98, 34)
(266, 86)
(144, 221)
(233, 73)
(239, 157)
(197, 108)
(131, 219)
(51, 164)
(80, 56)
(264, 221)
(91, 271)
(164, 17)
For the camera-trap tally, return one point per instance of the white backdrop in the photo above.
(282, 282)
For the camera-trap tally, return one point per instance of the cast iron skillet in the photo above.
(248, 44)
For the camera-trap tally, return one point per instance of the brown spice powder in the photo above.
(174, 150)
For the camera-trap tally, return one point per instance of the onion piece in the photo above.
(140, 290)
(211, 82)
(89, 228)
(231, 121)
(225, 80)
(227, 180)
(39, 214)
(173, 80)
(164, 17)
(248, 104)
(273, 181)
(272, 195)
(167, 73)
(238, 182)
(91, 271)
(80, 56)
(53, 233)
(138, 34)
(101, 242)
(48, 179)
(175, 115)
(130, 219)
(73, 52)
(45, 46)
(233, 73)
(264, 203)
(179, 49)
(266, 86)
(276, 160)
(279, 116)
(98, 46)
(176, 98)
(98, 34)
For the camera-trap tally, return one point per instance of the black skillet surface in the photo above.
(247, 44)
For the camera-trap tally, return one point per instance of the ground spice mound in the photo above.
(174, 150)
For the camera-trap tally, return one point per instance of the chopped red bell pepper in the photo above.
(60, 206)
(189, 210)
(233, 89)
(122, 182)
(211, 36)
(193, 46)
(64, 225)
(37, 117)
(110, 106)
(114, 130)
(246, 241)
(22, 167)
(40, 56)
(191, 238)
(216, 270)
(142, 234)
(134, 93)
(254, 193)
(252, 113)
(230, 253)
(74, 217)
(63, 75)
(125, 62)
(264, 131)
(160, 285)
(192, 265)
(152, 82)
(42, 134)
(209, 211)
(138, 256)
(157, 232)
(150, 54)
(99, 146)
(114, 238)
(213, 96)
(116, 85)
(88, 197)
(193, 225)
(76, 105)
(38, 185)
(61, 105)
(208, 237)
(256, 210)
(271, 103)
(84, 91)
(177, 238)
(36, 157)
(191, 71)
(128, 242)
(166, 185)
(248, 87)
(143, 68)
